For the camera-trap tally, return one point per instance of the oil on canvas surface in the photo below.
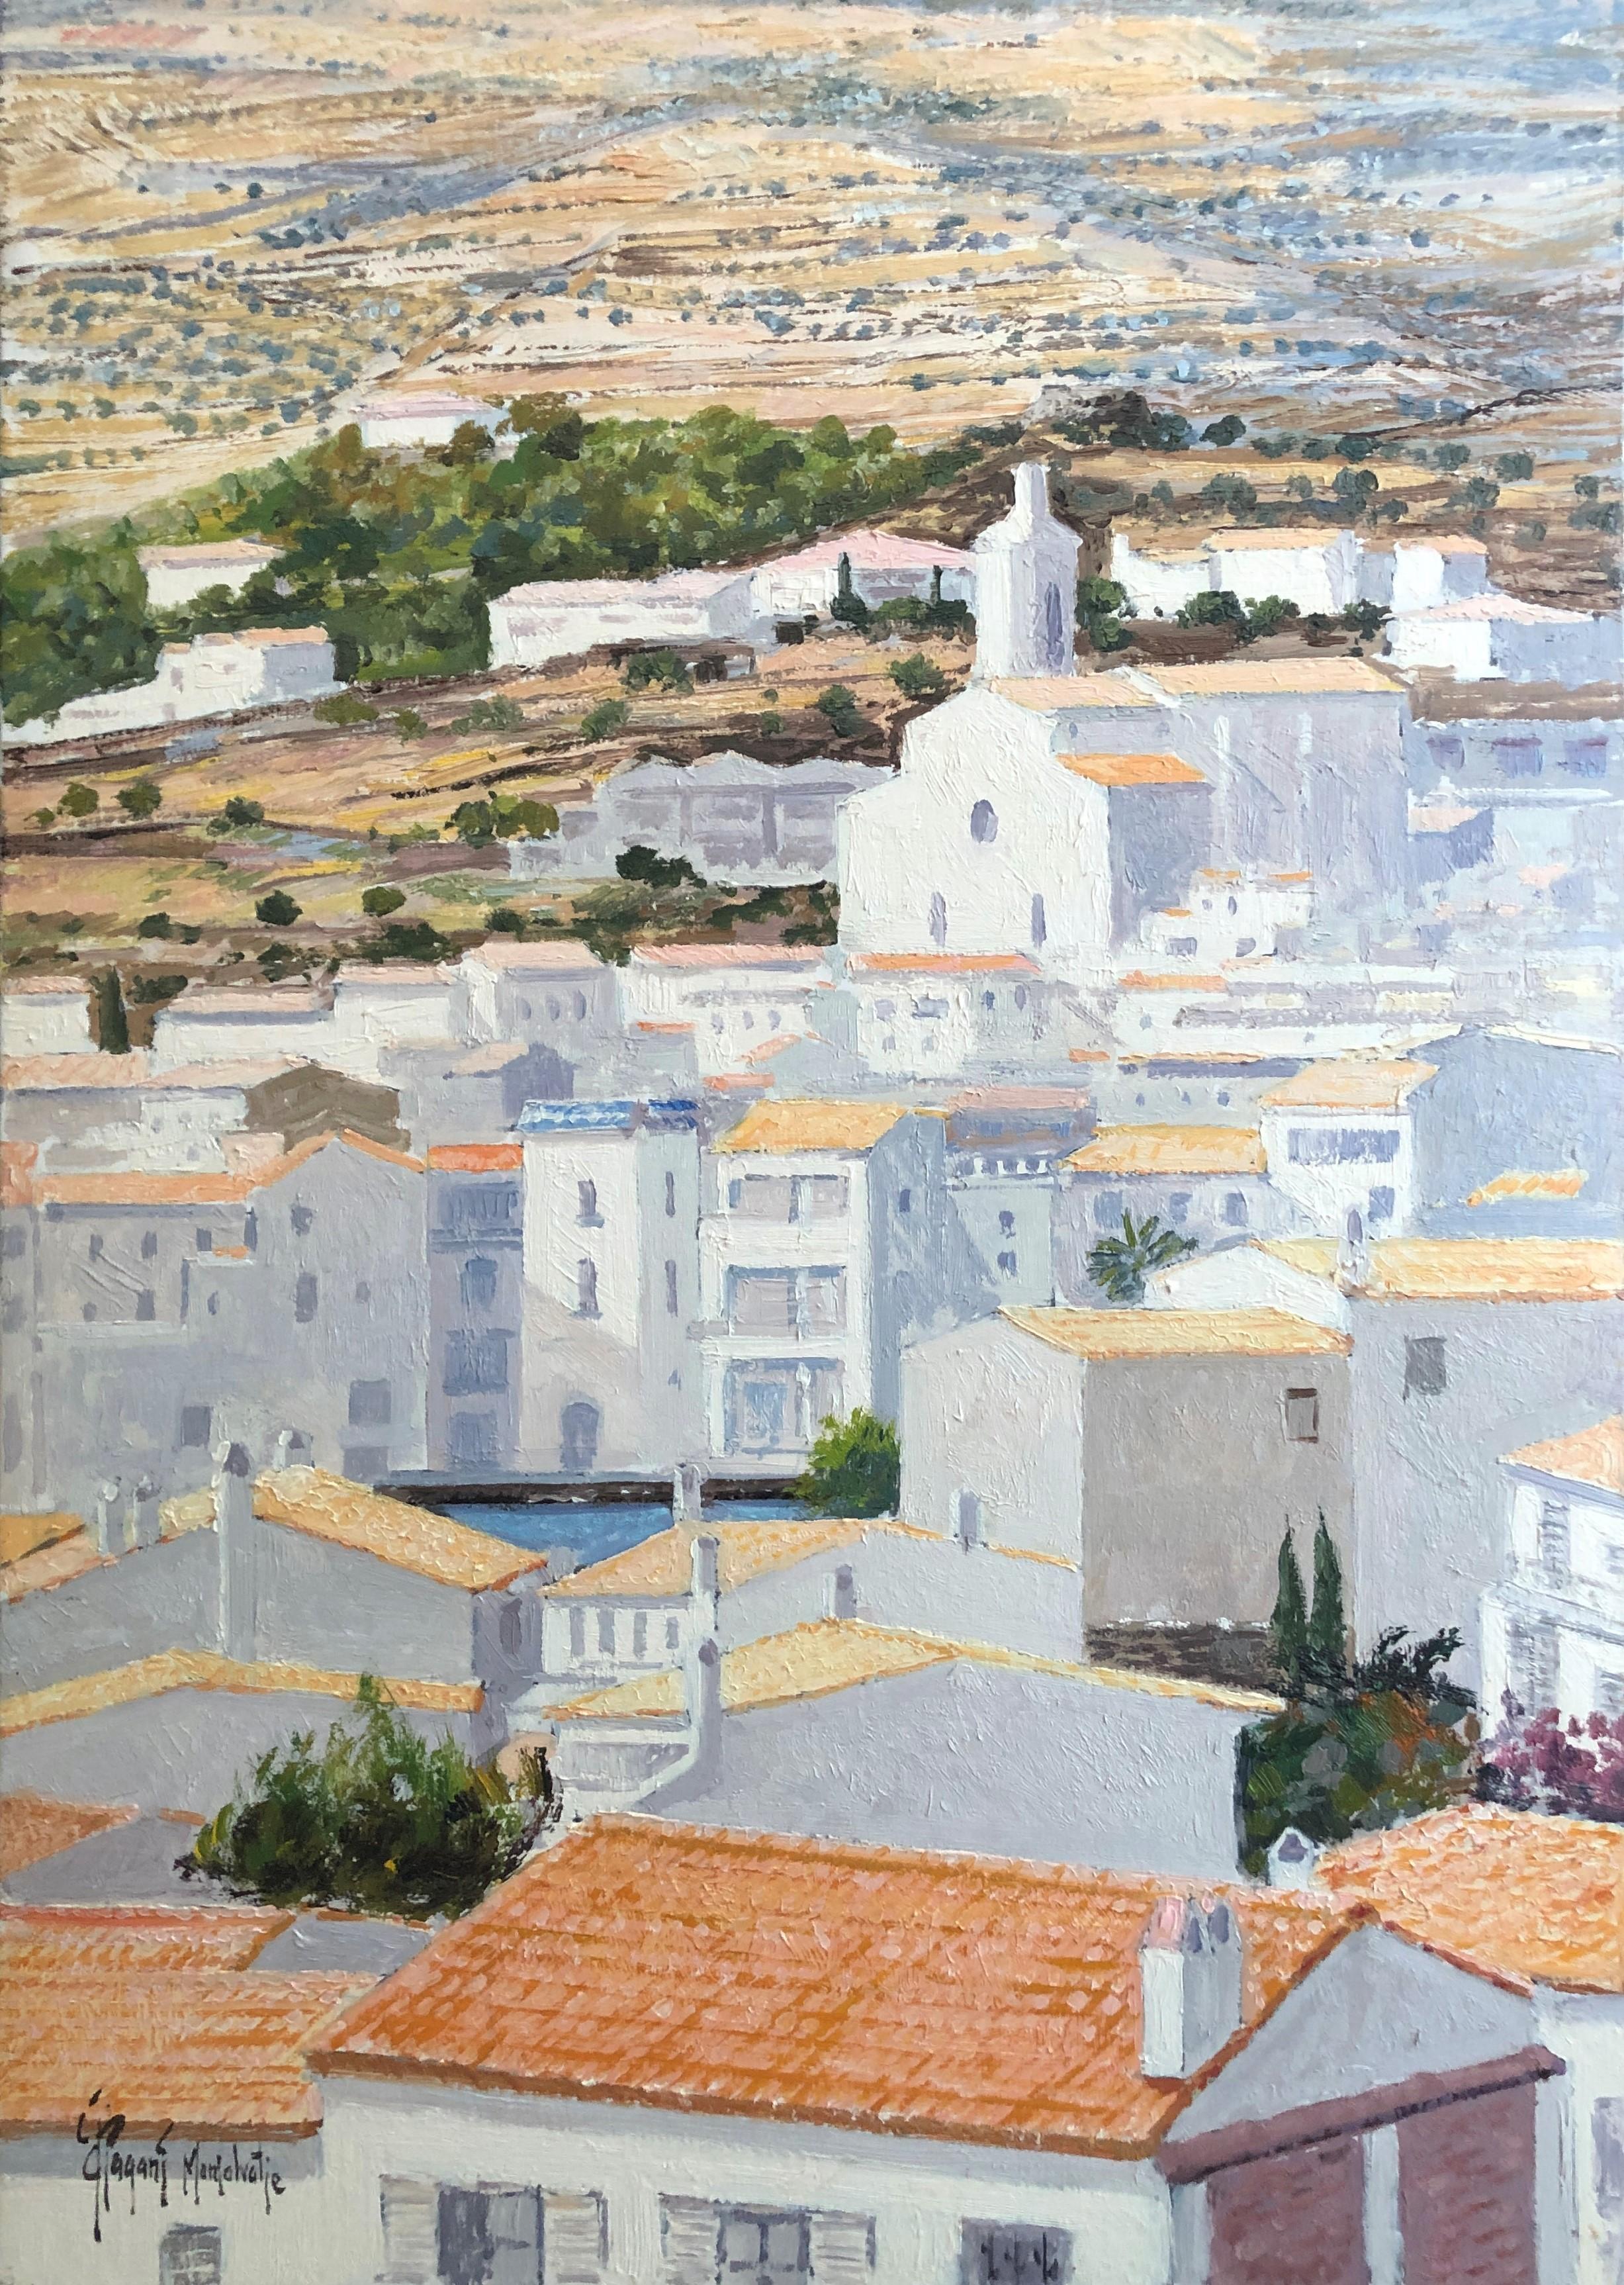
(811, 1455)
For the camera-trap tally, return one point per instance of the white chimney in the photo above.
(107, 1526)
(292, 1448)
(704, 1696)
(1353, 1255)
(234, 1536)
(1291, 1860)
(145, 1514)
(687, 1486)
(1189, 1969)
(706, 1591)
(840, 1594)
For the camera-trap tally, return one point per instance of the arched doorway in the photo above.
(578, 1425)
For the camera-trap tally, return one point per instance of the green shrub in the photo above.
(504, 817)
(854, 1468)
(152, 990)
(1121, 1266)
(1229, 430)
(377, 1821)
(1214, 607)
(278, 910)
(601, 720)
(1514, 467)
(917, 677)
(661, 669)
(410, 940)
(1100, 604)
(1229, 492)
(378, 902)
(238, 813)
(408, 723)
(44, 818)
(498, 713)
(769, 724)
(154, 924)
(344, 710)
(639, 863)
(506, 922)
(1268, 614)
(839, 709)
(79, 800)
(141, 798)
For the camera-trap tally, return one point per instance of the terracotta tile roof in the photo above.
(411, 1538)
(1447, 544)
(1492, 608)
(29, 1074)
(210, 2054)
(1472, 1269)
(34, 1826)
(747, 1549)
(1534, 1896)
(565, 955)
(57, 1564)
(116, 1936)
(231, 1188)
(788, 1125)
(941, 963)
(871, 550)
(475, 1158)
(20, 1534)
(1594, 1457)
(55, 987)
(1171, 1151)
(1131, 769)
(206, 1669)
(1102, 1335)
(1291, 536)
(1059, 694)
(1566, 1183)
(1264, 678)
(888, 1990)
(1349, 1083)
(828, 1654)
(1141, 980)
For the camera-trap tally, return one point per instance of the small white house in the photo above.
(1157, 580)
(212, 674)
(409, 422)
(1553, 1626)
(209, 1024)
(1441, 568)
(1315, 568)
(1487, 636)
(1339, 1136)
(1205, 1182)
(177, 575)
(45, 1016)
(884, 568)
(738, 999)
(933, 1015)
(563, 618)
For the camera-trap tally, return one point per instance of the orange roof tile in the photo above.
(1472, 1268)
(887, 1990)
(1349, 1083)
(1140, 979)
(1520, 1895)
(786, 1125)
(20, 1534)
(1566, 1183)
(475, 1158)
(1131, 769)
(1594, 1457)
(208, 2053)
(802, 957)
(1058, 694)
(663, 1566)
(1104, 1335)
(34, 1826)
(411, 1538)
(1171, 1151)
(26, 1073)
(96, 1937)
(57, 1564)
(565, 955)
(207, 1669)
(135, 1188)
(823, 1655)
(941, 963)
(1261, 678)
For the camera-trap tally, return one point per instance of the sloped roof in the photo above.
(33, 1826)
(1496, 607)
(207, 1669)
(746, 1548)
(819, 1123)
(888, 1990)
(1594, 1457)
(198, 554)
(1520, 1895)
(1171, 1151)
(824, 1655)
(475, 1158)
(1105, 1335)
(41, 1074)
(1472, 1268)
(871, 550)
(20, 1534)
(1062, 693)
(1349, 1083)
(803, 958)
(564, 954)
(1264, 678)
(1565, 1182)
(1131, 769)
(101, 1936)
(941, 963)
(133, 1188)
(411, 1538)
(1319, 536)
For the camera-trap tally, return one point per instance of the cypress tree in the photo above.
(107, 1007)
(1327, 1627)
(1288, 1625)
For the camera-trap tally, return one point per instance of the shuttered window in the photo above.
(490, 2233)
(706, 2244)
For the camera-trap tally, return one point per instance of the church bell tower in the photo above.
(1026, 586)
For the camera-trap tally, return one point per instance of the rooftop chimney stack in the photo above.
(1190, 1966)
(706, 1592)
(145, 1514)
(841, 1597)
(687, 1492)
(1291, 1860)
(704, 1694)
(1353, 1255)
(107, 1527)
(234, 1535)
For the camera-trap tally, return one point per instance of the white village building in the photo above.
(563, 618)
(45, 1016)
(177, 575)
(1553, 1624)
(1491, 635)
(884, 568)
(409, 422)
(212, 674)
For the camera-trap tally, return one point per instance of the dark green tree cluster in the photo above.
(503, 817)
(378, 1820)
(854, 1468)
(1362, 1742)
(1128, 421)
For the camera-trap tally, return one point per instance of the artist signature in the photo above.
(187, 2168)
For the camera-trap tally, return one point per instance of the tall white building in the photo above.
(1553, 1626)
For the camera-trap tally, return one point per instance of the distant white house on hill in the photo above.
(1489, 636)
(558, 618)
(1322, 567)
(177, 575)
(426, 417)
(884, 568)
(212, 674)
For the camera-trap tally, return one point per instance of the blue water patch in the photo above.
(593, 1533)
